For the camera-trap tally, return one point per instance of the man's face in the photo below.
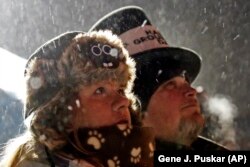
(174, 112)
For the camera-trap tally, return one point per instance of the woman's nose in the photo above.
(120, 103)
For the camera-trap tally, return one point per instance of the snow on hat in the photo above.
(156, 61)
(57, 71)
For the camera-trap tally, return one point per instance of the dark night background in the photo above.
(218, 30)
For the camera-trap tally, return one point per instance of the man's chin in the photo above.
(189, 131)
(199, 119)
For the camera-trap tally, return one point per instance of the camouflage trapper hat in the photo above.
(57, 70)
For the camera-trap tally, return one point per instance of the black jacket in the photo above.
(200, 144)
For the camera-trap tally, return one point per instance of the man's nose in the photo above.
(190, 92)
(120, 103)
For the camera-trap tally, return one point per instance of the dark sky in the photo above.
(218, 30)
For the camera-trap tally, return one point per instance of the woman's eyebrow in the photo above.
(123, 85)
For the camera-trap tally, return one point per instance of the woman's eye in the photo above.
(121, 92)
(100, 90)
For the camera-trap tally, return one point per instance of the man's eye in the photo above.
(170, 85)
(100, 90)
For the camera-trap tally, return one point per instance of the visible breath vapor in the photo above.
(11, 73)
(224, 111)
(223, 108)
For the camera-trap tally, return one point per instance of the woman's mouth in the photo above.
(124, 121)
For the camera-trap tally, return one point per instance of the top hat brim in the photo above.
(171, 58)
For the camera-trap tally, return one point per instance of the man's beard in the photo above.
(188, 131)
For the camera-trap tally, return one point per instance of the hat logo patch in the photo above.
(143, 38)
(106, 49)
(150, 35)
(105, 55)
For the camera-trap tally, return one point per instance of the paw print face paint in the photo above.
(95, 139)
(135, 155)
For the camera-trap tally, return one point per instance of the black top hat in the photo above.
(156, 61)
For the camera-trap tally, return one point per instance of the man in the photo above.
(164, 75)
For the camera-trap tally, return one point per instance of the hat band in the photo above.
(143, 38)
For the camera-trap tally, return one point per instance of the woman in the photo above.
(79, 109)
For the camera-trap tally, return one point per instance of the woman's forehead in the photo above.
(110, 82)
